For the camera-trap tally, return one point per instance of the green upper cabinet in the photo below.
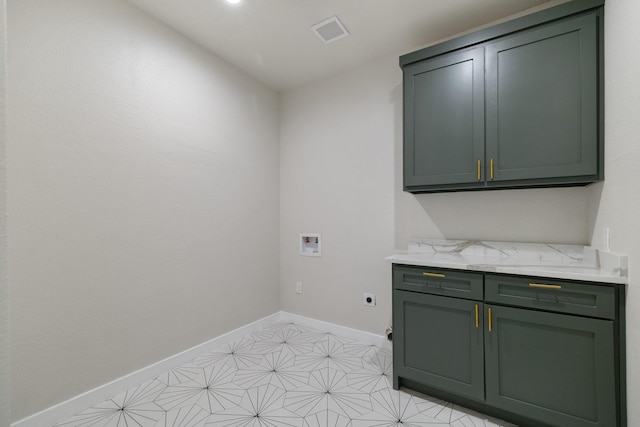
(444, 119)
(516, 105)
(542, 103)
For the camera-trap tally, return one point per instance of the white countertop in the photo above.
(571, 262)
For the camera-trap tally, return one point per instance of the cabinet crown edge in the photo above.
(485, 34)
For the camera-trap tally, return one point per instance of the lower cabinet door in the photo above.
(555, 368)
(438, 342)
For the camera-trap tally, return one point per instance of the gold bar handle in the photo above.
(477, 320)
(490, 325)
(491, 171)
(442, 276)
(543, 286)
(479, 168)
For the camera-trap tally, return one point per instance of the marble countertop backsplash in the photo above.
(573, 262)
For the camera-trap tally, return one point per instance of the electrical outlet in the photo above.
(298, 287)
(369, 300)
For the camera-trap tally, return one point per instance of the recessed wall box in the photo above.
(310, 244)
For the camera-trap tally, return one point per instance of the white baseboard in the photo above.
(60, 412)
(354, 334)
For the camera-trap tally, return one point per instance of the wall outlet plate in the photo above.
(369, 300)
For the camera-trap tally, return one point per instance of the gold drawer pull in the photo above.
(491, 172)
(541, 286)
(477, 320)
(479, 170)
(490, 320)
(442, 276)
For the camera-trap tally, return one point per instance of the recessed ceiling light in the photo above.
(233, 1)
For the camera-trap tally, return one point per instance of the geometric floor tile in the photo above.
(193, 416)
(286, 375)
(212, 389)
(328, 391)
(133, 407)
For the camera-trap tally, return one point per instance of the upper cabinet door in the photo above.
(444, 120)
(542, 113)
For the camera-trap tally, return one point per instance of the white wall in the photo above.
(616, 202)
(341, 175)
(143, 196)
(5, 382)
(337, 179)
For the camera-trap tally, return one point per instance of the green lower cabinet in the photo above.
(534, 351)
(555, 368)
(423, 346)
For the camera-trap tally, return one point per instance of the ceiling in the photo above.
(272, 40)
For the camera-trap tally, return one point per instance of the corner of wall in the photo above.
(5, 406)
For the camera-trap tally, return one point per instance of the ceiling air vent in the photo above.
(330, 30)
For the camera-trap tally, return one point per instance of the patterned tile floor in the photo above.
(286, 375)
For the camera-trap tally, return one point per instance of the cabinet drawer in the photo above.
(552, 295)
(438, 281)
